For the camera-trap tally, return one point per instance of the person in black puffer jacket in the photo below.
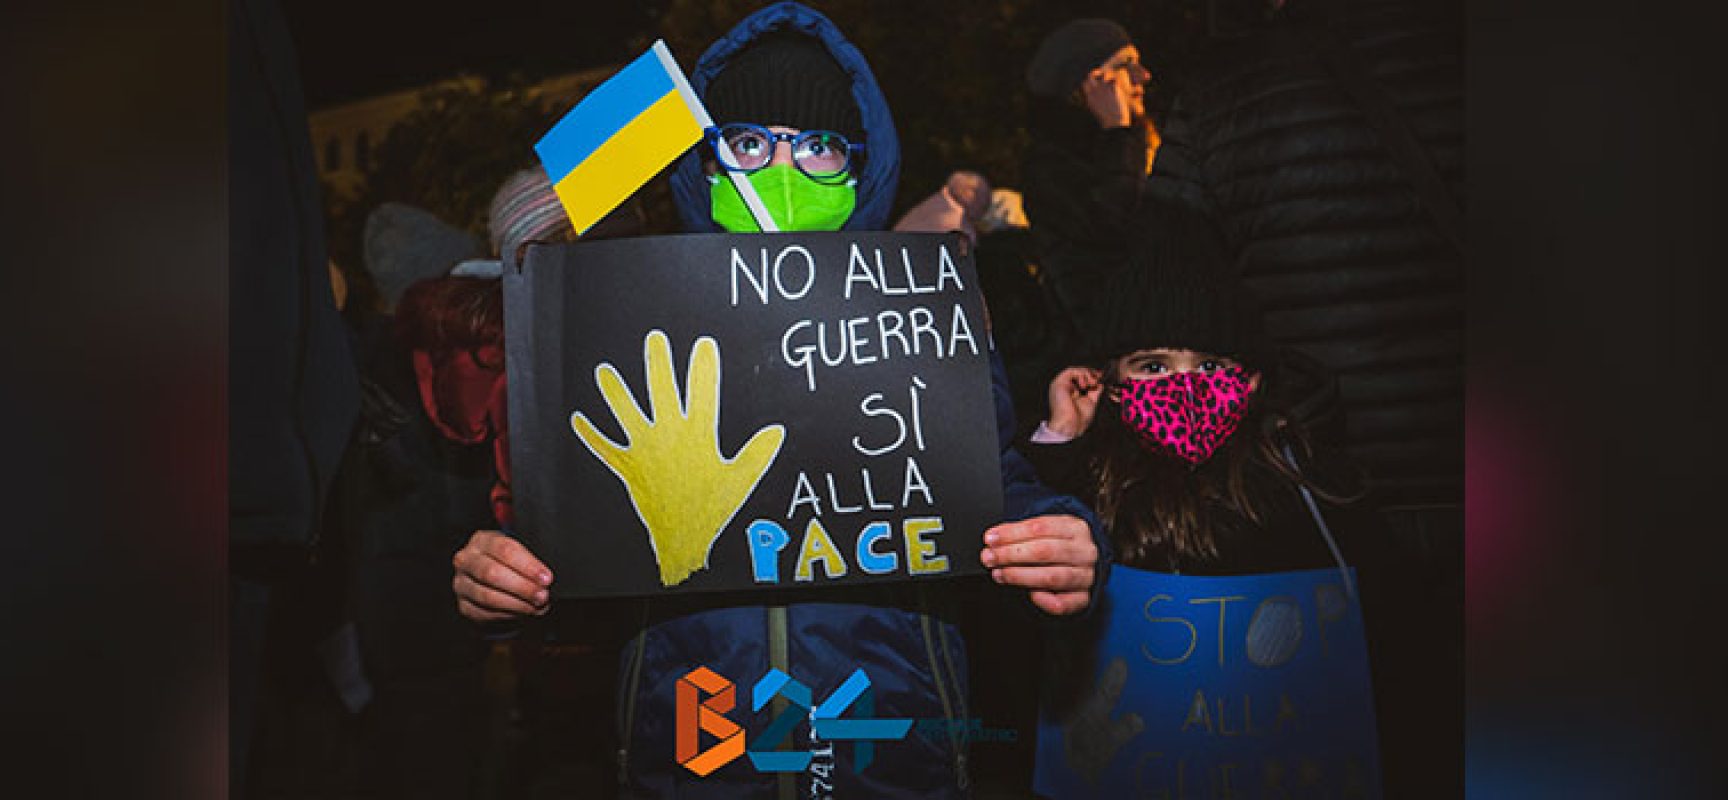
(1281, 134)
(1327, 141)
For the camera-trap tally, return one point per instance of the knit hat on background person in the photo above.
(1068, 53)
(786, 78)
(1177, 290)
(525, 209)
(403, 244)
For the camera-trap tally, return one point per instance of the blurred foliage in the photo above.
(953, 72)
(447, 156)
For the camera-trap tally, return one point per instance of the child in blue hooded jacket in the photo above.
(797, 109)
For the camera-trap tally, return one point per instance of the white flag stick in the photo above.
(746, 190)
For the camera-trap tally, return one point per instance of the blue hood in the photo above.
(881, 175)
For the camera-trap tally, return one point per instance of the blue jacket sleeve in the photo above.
(1023, 496)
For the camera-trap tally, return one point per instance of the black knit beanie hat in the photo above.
(1065, 56)
(1177, 291)
(786, 78)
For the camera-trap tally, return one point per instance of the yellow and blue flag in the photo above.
(620, 135)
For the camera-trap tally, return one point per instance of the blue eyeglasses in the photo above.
(746, 148)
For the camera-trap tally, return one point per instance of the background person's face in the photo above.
(1124, 71)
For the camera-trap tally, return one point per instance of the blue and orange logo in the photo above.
(696, 715)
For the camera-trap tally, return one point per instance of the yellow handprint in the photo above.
(684, 490)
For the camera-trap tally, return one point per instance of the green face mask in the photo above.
(796, 202)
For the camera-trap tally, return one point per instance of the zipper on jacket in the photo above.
(635, 681)
(963, 778)
(779, 658)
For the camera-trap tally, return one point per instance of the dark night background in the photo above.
(351, 50)
(1594, 154)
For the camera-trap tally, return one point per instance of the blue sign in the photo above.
(1196, 687)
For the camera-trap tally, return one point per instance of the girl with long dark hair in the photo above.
(1185, 431)
(1189, 434)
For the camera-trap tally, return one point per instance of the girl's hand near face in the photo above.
(1073, 400)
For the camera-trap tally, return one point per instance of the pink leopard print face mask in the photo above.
(1188, 414)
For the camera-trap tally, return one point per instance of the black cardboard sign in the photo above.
(717, 412)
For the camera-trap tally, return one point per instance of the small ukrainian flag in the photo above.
(620, 135)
